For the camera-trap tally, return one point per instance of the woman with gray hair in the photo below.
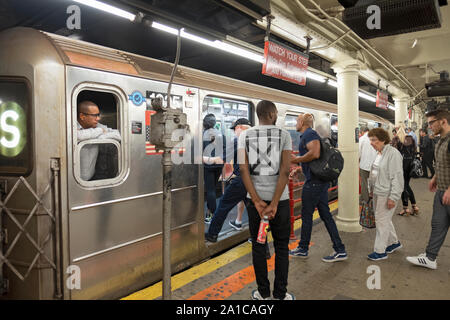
(386, 186)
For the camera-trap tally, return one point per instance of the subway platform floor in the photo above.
(231, 274)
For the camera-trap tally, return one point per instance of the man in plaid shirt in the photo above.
(439, 122)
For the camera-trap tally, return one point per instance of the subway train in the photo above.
(67, 238)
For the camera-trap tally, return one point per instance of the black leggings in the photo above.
(407, 192)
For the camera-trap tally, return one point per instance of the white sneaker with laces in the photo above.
(422, 261)
(288, 296)
(257, 296)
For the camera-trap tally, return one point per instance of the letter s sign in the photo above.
(13, 129)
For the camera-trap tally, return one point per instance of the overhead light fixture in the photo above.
(390, 106)
(332, 83)
(414, 43)
(367, 97)
(217, 44)
(108, 8)
(315, 76)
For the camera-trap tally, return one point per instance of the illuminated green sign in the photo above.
(13, 129)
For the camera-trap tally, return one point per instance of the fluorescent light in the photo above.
(332, 83)
(217, 44)
(315, 76)
(165, 28)
(108, 8)
(240, 52)
(367, 97)
(390, 106)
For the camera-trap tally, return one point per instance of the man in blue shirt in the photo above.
(314, 194)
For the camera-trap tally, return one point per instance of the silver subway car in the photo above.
(64, 237)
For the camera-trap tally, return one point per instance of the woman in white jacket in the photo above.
(386, 186)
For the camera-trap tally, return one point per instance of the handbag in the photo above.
(416, 168)
(367, 216)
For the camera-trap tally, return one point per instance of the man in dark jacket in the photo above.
(426, 150)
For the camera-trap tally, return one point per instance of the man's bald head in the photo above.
(88, 114)
(304, 121)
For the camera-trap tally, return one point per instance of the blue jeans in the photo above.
(234, 193)
(315, 194)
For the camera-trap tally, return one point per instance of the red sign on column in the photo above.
(382, 99)
(284, 63)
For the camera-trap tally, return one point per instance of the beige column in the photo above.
(348, 109)
(401, 110)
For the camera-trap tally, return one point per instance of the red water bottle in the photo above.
(262, 233)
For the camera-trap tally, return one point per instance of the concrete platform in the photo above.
(313, 279)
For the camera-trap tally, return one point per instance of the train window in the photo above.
(334, 130)
(226, 112)
(98, 147)
(15, 128)
(290, 124)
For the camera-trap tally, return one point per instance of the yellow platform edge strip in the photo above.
(183, 278)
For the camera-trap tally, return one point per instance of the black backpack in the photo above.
(330, 164)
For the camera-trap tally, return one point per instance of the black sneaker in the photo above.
(237, 226)
(210, 238)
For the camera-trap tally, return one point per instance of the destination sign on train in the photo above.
(284, 63)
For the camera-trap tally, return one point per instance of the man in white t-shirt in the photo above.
(367, 155)
(264, 153)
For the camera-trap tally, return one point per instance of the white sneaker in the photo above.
(257, 296)
(423, 261)
(288, 296)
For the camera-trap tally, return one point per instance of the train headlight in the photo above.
(13, 129)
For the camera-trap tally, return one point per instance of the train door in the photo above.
(218, 115)
(115, 200)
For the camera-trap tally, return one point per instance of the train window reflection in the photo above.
(15, 139)
(99, 161)
(290, 124)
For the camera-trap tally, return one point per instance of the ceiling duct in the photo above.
(440, 87)
(395, 17)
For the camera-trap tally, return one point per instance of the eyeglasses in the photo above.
(95, 115)
(430, 123)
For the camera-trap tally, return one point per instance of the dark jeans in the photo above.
(407, 192)
(234, 193)
(315, 194)
(281, 228)
(427, 162)
(440, 222)
(211, 177)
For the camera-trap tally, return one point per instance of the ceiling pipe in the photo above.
(333, 21)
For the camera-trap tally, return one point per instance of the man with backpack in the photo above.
(314, 194)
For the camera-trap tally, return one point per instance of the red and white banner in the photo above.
(382, 99)
(284, 63)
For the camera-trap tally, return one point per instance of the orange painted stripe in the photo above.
(100, 63)
(236, 282)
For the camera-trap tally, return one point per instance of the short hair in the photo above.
(380, 134)
(264, 108)
(439, 114)
(364, 129)
(83, 106)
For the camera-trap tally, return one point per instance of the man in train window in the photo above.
(89, 128)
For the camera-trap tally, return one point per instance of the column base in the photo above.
(348, 226)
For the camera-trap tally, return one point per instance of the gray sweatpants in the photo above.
(440, 222)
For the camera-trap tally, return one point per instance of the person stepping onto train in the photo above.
(314, 194)
(263, 154)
